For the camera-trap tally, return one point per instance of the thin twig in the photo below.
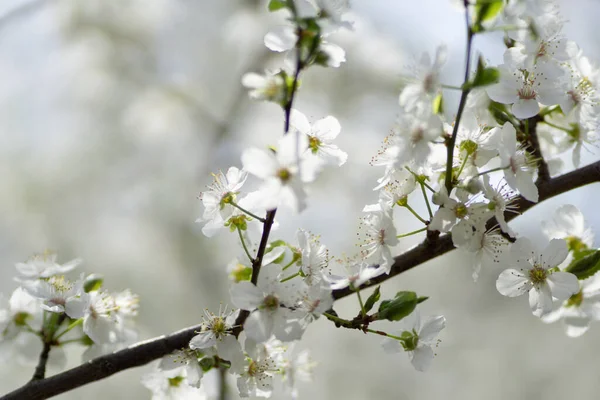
(461, 105)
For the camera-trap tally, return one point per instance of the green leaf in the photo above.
(275, 5)
(373, 298)
(484, 76)
(93, 282)
(399, 307)
(484, 11)
(585, 266)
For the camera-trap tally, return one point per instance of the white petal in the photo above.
(540, 300)
(563, 285)
(259, 326)
(524, 109)
(203, 340)
(576, 326)
(259, 162)
(512, 283)
(326, 129)
(431, 327)
(502, 93)
(246, 296)
(526, 186)
(281, 39)
(555, 253)
(391, 345)
(421, 358)
(299, 121)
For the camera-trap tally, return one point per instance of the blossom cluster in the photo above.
(50, 309)
(470, 173)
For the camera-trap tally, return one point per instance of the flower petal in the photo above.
(512, 283)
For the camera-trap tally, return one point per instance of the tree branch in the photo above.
(145, 352)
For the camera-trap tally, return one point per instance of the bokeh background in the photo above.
(113, 113)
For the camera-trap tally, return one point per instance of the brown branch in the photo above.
(145, 352)
(40, 369)
(534, 144)
(429, 250)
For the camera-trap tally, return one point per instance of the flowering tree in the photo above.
(496, 159)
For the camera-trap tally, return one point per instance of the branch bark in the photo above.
(145, 352)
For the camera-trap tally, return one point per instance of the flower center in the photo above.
(461, 210)
(271, 302)
(417, 135)
(314, 144)
(527, 92)
(538, 275)
(284, 175)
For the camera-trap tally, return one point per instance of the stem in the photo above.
(333, 318)
(409, 208)
(247, 212)
(426, 200)
(382, 333)
(294, 261)
(412, 233)
(362, 305)
(451, 87)
(289, 278)
(244, 245)
(490, 171)
(47, 333)
(462, 166)
(420, 179)
(562, 128)
(71, 326)
(547, 110)
(461, 105)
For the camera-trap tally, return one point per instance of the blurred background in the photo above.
(113, 113)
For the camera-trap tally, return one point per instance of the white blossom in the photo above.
(533, 273)
(417, 339)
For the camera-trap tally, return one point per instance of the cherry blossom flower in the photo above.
(320, 138)
(214, 328)
(568, 223)
(257, 377)
(186, 359)
(378, 235)
(484, 247)
(269, 87)
(519, 165)
(58, 293)
(171, 385)
(218, 198)
(357, 273)
(315, 257)
(500, 201)
(270, 302)
(580, 309)
(283, 175)
(424, 85)
(533, 273)
(417, 339)
(523, 89)
(43, 265)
